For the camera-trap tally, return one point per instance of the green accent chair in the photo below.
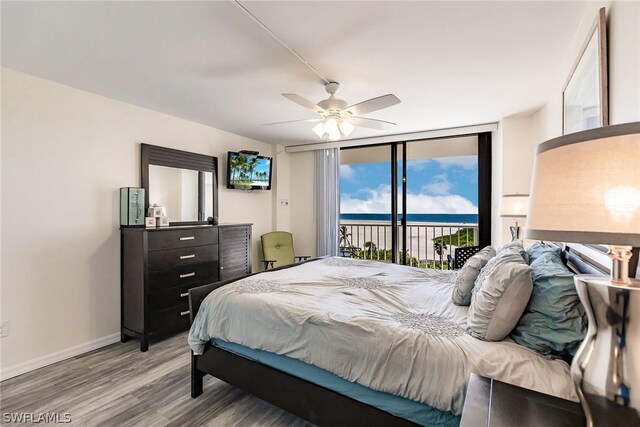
(277, 249)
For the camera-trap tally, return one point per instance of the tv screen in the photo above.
(248, 172)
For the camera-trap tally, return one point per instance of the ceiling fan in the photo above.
(337, 118)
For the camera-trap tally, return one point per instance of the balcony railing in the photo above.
(428, 245)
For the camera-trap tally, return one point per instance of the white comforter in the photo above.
(388, 327)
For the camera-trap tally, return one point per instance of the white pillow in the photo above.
(500, 296)
(468, 274)
(515, 246)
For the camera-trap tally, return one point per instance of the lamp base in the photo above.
(602, 366)
(515, 232)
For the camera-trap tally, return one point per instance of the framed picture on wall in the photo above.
(585, 95)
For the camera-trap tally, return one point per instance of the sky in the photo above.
(263, 165)
(443, 185)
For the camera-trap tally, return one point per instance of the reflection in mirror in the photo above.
(208, 195)
(177, 190)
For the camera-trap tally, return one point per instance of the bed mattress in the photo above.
(387, 327)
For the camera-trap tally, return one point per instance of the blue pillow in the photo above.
(554, 322)
(537, 249)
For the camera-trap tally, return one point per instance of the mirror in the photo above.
(184, 183)
(178, 189)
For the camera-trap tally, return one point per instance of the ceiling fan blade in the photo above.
(304, 102)
(292, 121)
(373, 104)
(371, 123)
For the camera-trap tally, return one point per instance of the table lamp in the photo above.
(514, 206)
(586, 189)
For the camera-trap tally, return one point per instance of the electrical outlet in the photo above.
(4, 328)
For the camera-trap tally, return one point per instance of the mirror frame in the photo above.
(162, 156)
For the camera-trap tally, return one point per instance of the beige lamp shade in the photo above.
(586, 187)
(514, 205)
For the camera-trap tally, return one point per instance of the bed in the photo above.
(340, 341)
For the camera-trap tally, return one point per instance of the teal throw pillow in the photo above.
(554, 322)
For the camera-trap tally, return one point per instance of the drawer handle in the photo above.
(185, 294)
(187, 256)
(184, 276)
(184, 313)
(188, 238)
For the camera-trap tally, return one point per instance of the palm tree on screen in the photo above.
(252, 164)
(233, 164)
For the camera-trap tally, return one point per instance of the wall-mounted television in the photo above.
(248, 171)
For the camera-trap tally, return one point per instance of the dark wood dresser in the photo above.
(159, 266)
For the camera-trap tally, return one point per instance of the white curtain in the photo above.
(327, 201)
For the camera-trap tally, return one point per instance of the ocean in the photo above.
(414, 217)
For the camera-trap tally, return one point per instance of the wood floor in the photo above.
(120, 386)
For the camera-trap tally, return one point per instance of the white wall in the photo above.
(65, 154)
(624, 62)
(516, 168)
(281, 189)
(497, 142)
(303, 225)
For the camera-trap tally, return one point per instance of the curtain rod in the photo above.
(414, 136)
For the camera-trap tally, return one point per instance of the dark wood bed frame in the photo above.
(312, 402)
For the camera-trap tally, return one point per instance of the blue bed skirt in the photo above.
(419, 413)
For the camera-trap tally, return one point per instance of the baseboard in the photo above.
(58, 356)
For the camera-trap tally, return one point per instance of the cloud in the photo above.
(440, 186)
(466, 162)
(347, 172)
(378, 200)
(417, 164)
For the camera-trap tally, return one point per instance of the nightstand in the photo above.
(491, 403)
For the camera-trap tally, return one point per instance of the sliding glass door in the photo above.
(366, 203)
(415, 202)
(438, 199)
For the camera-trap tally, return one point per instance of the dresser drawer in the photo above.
(169, 320)
(185, 275)
(172, 258)
(166, 298)
(174, 239)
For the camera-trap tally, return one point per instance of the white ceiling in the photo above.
(451, 63)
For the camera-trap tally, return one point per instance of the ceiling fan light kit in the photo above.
(319, 129)
(346, 128)
(333, 129)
